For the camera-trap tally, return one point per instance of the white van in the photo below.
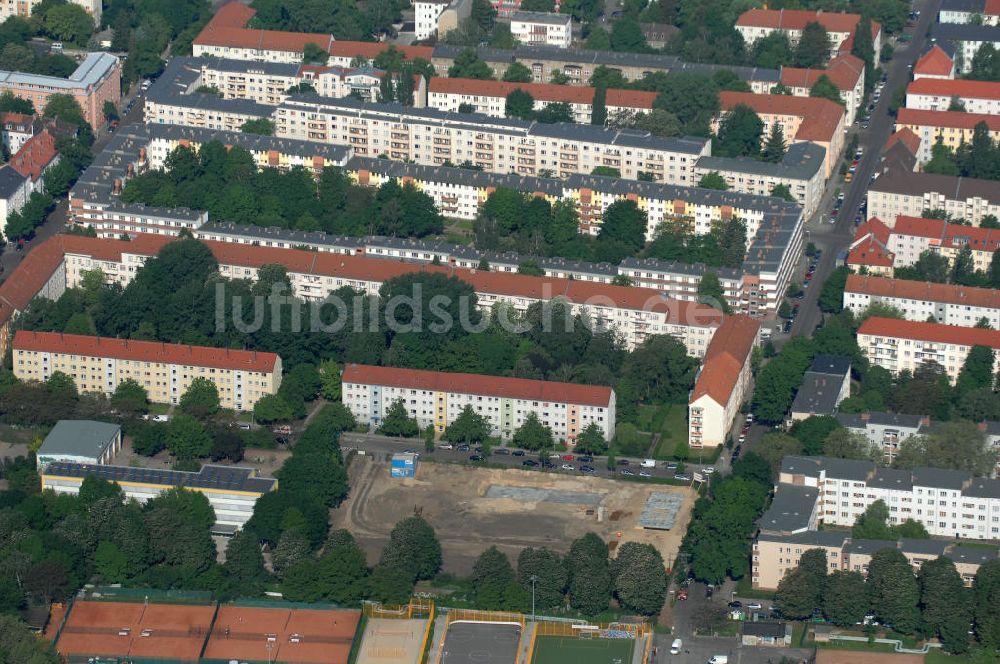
(648, 463)
(719, 659)
(676, 646)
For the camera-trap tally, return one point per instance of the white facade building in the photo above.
(542, 29)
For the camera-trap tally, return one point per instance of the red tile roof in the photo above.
(940, 87)
(874, 227)
(921, 291)
(957, 119)
(949, 235)
(19, 120)
(935, 332)
(992, 8)
(146, 351)
(571, 94)
(906, 137)
(368, 50)
(494, 386)
(797, 19)
(35, 155)
(934, 62)
(869, 251)
(843, 71)
(821, 118)
(727, 353)
(630, 98)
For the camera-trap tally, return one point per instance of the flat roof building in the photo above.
(80, 441)
(94, 82)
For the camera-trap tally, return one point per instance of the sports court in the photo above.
(393, 641)
(481, 643)
(576, 650)
(279, 634)
(132, 629)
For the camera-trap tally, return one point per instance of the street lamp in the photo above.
(534, 579)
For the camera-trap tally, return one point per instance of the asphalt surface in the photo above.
(835, 238)
(384, 446)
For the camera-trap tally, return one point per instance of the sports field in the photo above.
(574, 650)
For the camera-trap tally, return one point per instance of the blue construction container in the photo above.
(403, 465)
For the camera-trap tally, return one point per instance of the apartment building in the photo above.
(885, 431)
(952, 128)
(970, 11)
(912, 236)
(824, 386)
(437, 398)
(232, 491)
(869, 251)
(94, 82)
(268, 82)
(490, 97)
(756, 24)
(774, 555)
(898, 345)
(100, 364)
(931, 94)
(935, 63)
(802, 171)
(900, 193)
(845, 71)
(949, 503)
(226, 36)
(500, 145)
(24, 8)
(802, 119)
(966, 39)
(950, 305)
(542, 29)
(722, 382)
(425, 17)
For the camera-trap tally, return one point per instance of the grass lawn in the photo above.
(938, 656)
(856, 645)
(744, 588)
(159, 408)
(670, 421)
(798, 634)
(575, 650)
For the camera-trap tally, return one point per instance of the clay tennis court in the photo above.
(308, 636)
(391, 641)
(123, 629)
(481, 643)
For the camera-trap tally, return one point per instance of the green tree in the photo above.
(590, 581)
(954, 445)
(599, 108)
(813, 431)
(467, 64)
(813, 49)
(710, 292)
(19, 644)
(550, 576)
(532, 435)
(841, 595)
(713, 181)
(110, 562)
(315, 472)
(397, 421)
(150, 440)
(314, 54)
(831, 297)
(187, 439)
(782, 191)
(774, 148)
(261, 126)
(640, 578)
(272, 408)
(944, 606)
(626, 36)
(413, 548)
(773, 51)
(517, 73)
(130, 396)
(624, 224)
(986, 604)
(843, 444)
(201, 398)
(801, 590)
(977, 371)
(597, 39)
(293, 548)
(64, 107)
(873, 523)
(740, 133)
(893, 590)
(330, 381)
(864, 47)
(469, 427)
(825, 88)
(591, 440)
(61, 383)
(245, 563)
(492, 576)
(70, 23)
(519, 104)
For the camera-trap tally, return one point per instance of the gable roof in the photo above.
(870, 246)
(797, 19)
(35, 155)
(934, 62)
(922, 291)
(821, 118)
(905, 136)
(727, 353)
(844, 71)
(934, 332)
(942, 87)
(956, 119)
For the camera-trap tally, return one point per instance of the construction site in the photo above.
(472, 509)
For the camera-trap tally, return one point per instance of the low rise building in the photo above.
(824, 386)
(869, 252)
(226, 36)
(756, 24)
(437, 398)
(802, 119)
(722, 382)
(80, 441)
(885, 431)
(932, 94)
(232, 491)
(95, 81)
(490, 97)
(845, 71)
(776, 635)
(165, 371)
(966, 39)
(952, 128)
(958, 306)
(900, 193)
(16, 129)
(986, 12)
(937, 62)
(910, 346)
(913, 236)
(25, 8)
(542, 29)
(425, 17)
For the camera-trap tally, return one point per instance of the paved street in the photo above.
(383, 445)
(835, 238)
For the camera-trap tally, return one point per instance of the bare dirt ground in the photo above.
(453, 499)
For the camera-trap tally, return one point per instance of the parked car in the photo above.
(568, 466)
(585, 459)
(736, 605)
(446, 446)
(475, 457)
(589, 470)
(518, 452)
(463, 448)
(622, 462)
(531, 463)
(628, 471)
(645, 473)
(682, 478)
(502, 451)
(676, 646)
(567, 457)
(754, 605)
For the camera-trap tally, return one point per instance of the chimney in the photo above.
(925, 421)
(865, 417)
(116, 189)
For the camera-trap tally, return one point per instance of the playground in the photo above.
(577, 650)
